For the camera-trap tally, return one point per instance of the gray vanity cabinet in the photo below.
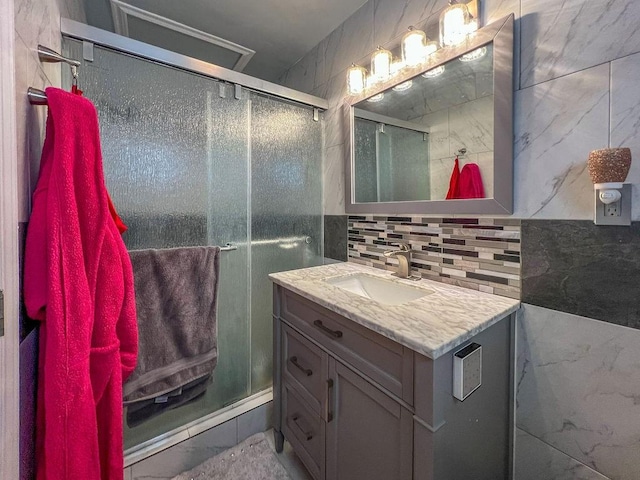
(369, 436)
(338, 394)
(356, 405)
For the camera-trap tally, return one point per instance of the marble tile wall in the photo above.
(536, 460)
(37, 22)
(577, 392)
(480, 254)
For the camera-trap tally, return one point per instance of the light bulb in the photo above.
(396, 67)
(356, 81)
(413, 47)
(472, 26)
(454, 24)
(381, 65)
(431, 47)
(376, 98)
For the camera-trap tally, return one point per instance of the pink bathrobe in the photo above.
(78, 282)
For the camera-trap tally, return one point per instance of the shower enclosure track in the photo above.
(86, 33)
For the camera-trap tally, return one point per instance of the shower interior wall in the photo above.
(189, 163)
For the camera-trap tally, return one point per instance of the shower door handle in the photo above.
(228, 247)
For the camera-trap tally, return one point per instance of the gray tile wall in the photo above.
(582, 268)
(576, 65)
(335, 237)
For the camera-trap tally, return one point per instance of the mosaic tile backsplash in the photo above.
(478, 253)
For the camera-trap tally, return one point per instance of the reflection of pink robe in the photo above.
(78, 282)
(470, 182)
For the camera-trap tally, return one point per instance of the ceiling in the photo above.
(279, 31)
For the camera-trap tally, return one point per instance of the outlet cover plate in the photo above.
(623, 205)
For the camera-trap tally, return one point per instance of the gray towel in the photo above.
(176, 296)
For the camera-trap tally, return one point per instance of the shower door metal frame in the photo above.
(87, 33)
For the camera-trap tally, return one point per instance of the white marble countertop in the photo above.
(431, 325)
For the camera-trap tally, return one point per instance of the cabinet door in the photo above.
(369, 435)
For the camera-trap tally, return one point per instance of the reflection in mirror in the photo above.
(392, 162)
(406, 140)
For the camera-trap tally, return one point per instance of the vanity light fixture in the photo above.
(608, 168)
(413, 47)
(454, 24)
(474, 55)
(381, 65)
(457, 21)
(356, 79)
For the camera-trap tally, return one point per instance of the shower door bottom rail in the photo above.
(155, 445)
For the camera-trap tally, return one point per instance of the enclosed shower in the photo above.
(191, 160)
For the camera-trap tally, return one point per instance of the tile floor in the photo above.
(289, 460)
(192, 452)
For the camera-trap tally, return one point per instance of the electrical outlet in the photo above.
(615, 213)
(612, 210)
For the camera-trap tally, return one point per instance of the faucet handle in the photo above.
(402, 249)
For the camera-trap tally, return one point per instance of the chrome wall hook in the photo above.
(47, 55)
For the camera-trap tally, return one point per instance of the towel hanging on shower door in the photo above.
(176, 298)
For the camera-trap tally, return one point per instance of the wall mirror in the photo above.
(405, 133)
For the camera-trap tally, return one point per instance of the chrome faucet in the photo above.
(403, 254)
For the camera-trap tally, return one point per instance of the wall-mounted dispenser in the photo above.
(608, 168)
(467, 371)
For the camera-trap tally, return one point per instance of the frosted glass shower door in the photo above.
(403, 165)
(286, 211)
(176, 161)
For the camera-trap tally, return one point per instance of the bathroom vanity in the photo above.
(364, 367)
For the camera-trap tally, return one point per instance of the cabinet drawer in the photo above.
(383, 360)
(305, 366)
(305, 431)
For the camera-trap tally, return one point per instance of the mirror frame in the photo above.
(500, 33)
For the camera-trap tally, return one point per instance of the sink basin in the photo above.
(378, 289)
